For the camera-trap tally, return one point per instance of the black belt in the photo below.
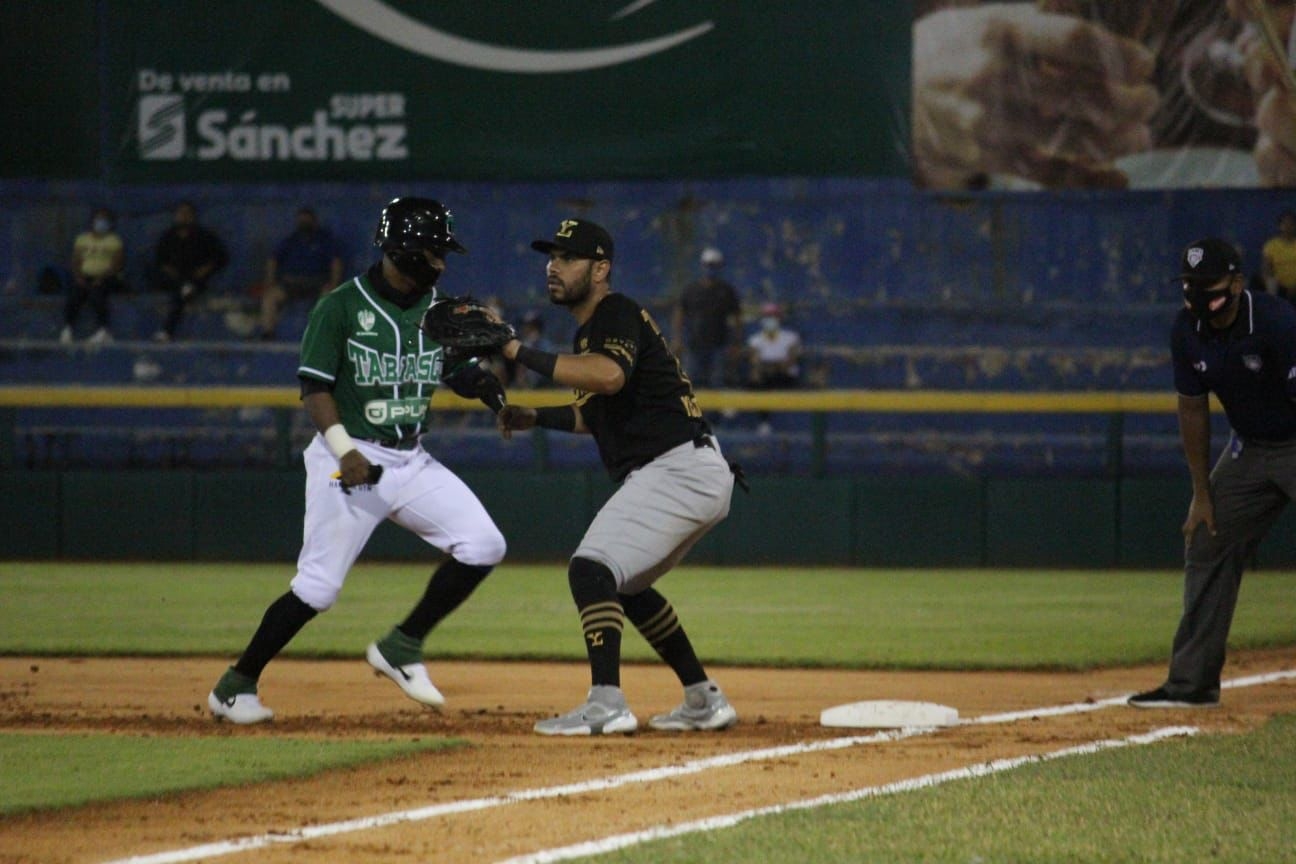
(407, 443)
(734, 468)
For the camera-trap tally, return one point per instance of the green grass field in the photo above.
(100, 767)
(1155, 803)
(773, 616)
(1202, 799)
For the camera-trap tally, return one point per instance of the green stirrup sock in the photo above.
(400, 649)
(232, 683)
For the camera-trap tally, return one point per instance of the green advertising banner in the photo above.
(248, 90)
(49, 99)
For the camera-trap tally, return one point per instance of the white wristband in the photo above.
(338, 440)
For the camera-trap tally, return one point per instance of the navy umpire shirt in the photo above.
(1250, 367)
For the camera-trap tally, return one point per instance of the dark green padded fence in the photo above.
(183, 515)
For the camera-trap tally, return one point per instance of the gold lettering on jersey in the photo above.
(376, 368)
(623, 349)
(687, 400)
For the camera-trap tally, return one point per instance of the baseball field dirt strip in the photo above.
(510, 793)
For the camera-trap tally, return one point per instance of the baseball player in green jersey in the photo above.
(367, 372)
(675, 485)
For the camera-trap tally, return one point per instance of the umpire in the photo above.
(1241, 346)
(674, 484)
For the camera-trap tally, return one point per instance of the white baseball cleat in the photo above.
(241, 708)
(412, 678)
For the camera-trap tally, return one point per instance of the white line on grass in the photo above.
(421, 814)
(662, 832)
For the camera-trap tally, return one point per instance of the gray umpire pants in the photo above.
(1250, 485)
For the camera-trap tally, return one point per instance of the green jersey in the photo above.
(382, 369)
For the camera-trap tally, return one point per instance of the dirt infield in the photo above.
(493, 705)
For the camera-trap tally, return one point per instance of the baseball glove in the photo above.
(468, 327)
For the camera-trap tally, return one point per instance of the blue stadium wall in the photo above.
(864, 265)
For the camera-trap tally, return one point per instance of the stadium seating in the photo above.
(890, 289)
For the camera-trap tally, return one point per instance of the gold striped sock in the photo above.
(659, 628)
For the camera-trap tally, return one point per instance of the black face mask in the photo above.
(1199, 300)
(414, 265)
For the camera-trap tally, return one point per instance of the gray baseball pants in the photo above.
(658, 514)
(1250, 485)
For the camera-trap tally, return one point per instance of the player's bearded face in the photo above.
(569, 281)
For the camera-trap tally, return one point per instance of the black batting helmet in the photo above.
(409, 224)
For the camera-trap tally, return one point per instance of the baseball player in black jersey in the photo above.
(367, 373)
(632, 397)
(1241, 346)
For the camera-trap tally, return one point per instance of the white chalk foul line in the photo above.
(312, 832)
(662, 832)
(420, 814)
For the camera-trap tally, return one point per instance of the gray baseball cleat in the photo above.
(604, 713)
(705, 708)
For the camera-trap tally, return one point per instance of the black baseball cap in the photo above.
(579, 237)
(1209, 260)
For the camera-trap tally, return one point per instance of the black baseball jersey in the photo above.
(655, 410)
(1250, 367)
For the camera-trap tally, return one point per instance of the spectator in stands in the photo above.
(706, 323)
(98, 258)
(1279, 254)
(187, 257)
(774, 354)
(306, 264)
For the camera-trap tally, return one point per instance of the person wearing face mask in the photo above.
(774, 353)
(98, 257)
(706, 323)
(1241, 346)
(367, 374)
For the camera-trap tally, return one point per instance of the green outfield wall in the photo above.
(182, 515)
(165, 91)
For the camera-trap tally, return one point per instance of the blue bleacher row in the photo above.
(827, 323)
(903, 450)
(884, 367)
(890, 288)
